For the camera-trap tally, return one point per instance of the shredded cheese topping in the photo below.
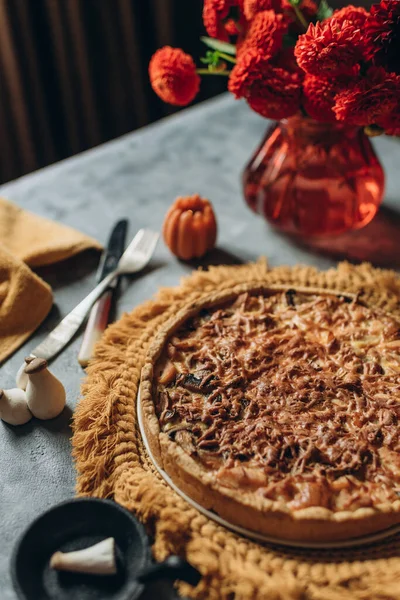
(292, 396)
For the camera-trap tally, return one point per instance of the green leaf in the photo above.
(211, 58)
(295, 2)
(324, 11)
(217, 45)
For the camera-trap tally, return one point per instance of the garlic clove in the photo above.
(99, 559)
(35, 366)
(22, 378)
(45, 393)
(13, 407)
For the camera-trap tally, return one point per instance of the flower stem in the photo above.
(207, 72)
(300, 16)
(227, 57)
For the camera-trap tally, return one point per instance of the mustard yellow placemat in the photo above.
(112, 462)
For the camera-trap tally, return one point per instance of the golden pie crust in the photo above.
(278, 409)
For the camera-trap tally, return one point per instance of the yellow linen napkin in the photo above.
(25, 299)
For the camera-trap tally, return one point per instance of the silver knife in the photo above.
(99, 315)
(134, 259)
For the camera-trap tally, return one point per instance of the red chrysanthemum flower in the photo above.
(246, 70)
(277, 96)
(215, 12)
(356, 15)
(382, 32)
(231, 27)
(286, 60)
(265, 34)
(270, 91)
(319, 96)
(391, 123)
(173, 76)
(309, 10)
(370, 99)
(330, 49)
(218, 21)
(252, 7)
(395, 131)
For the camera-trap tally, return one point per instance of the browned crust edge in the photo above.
(314, 524)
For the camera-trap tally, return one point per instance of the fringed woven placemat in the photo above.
(112, 462)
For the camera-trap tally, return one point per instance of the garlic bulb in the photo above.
(13, 407)
(97, 560)
(45, 394)
(22, 378)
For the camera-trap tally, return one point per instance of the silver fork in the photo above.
(134, 259)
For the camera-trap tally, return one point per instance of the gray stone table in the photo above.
(201, 150)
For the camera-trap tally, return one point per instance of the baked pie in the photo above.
(279, 410)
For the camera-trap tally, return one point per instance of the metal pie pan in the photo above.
(253, 535)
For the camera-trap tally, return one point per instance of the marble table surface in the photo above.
(200, 150)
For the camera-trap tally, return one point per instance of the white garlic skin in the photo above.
(22, 378)
(45, 394)
(99, 559)
(13, 407)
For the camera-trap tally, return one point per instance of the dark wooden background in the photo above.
(73, 73)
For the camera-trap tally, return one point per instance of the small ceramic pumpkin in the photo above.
(190, 228)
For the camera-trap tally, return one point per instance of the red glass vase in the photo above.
(310, 178)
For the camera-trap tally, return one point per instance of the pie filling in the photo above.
(291, 396)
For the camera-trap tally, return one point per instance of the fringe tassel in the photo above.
(111, 460)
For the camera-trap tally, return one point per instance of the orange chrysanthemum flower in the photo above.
(214, 14)
(265, 34)
(270, 91)
(370, 99)
(217, 20)
(330, 49)
(244, 73)
(319, 97)
(173, 76)
(356, 15)
(252, 7)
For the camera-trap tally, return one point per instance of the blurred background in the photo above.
(73, 73)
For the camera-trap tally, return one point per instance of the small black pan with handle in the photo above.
(80, 523)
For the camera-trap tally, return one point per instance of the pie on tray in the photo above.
(279, 410)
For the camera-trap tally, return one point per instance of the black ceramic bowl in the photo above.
(73, 525)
